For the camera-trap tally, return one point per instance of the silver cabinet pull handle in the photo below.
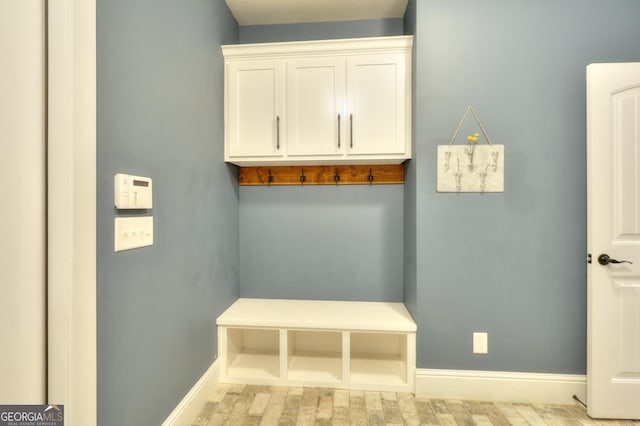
(338, 130)
(278, 132)
(351, 130)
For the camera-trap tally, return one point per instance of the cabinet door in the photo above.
(315, 103)
(255, 107)
(378, 104)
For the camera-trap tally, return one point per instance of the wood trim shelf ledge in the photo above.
(321, 175)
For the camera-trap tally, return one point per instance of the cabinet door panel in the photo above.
(377, 104)
(254, 110)
(315, 98)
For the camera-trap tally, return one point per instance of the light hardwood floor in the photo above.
(239, 405)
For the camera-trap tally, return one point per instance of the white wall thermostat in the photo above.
(132, 192)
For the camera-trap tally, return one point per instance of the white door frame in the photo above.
(72, 361)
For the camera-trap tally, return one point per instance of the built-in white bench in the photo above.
(351, 345)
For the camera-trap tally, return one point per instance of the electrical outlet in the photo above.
(480, 343)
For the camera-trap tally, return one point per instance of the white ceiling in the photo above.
(265, 12)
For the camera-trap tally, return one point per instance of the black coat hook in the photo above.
(370, 178)
(336, 177)
(269, 178)
(303, 178)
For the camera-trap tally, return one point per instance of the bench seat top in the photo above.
(318, 314)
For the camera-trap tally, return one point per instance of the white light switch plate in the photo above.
(133, 232)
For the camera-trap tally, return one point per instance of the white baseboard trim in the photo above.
(188, 409)
(500, 386)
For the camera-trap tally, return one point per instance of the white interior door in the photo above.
(22, 209)
(613, 155)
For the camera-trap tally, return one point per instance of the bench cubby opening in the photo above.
(379, 358)
(253, 353)
(314, 356)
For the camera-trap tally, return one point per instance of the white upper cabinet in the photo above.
(315, 104)
(377, 105)
(254, 107)
(320, 102)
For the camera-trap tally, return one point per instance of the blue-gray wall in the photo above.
(160, 114)
(509, 264)
(321, 30)
(322, 242)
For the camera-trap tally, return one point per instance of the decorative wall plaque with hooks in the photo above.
(472, 167)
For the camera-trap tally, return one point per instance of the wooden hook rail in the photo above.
(321, 175)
